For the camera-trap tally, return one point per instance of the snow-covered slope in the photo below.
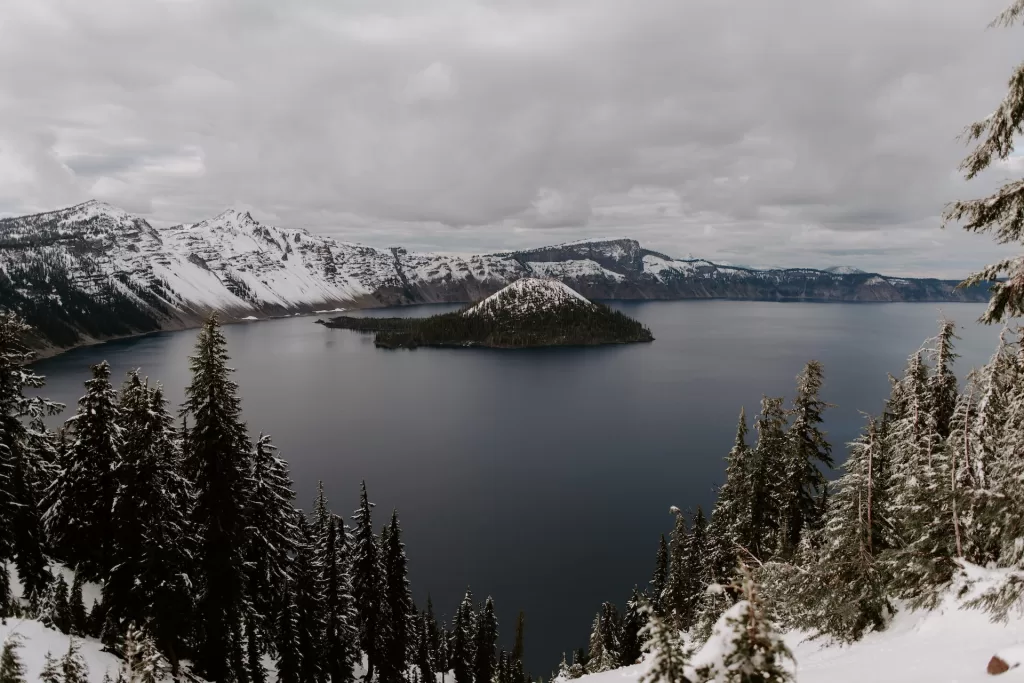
(94, 271)
(949, 644)
(527, 295)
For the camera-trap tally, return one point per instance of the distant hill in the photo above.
(93, 271)
(530, 312)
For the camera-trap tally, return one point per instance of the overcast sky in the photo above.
(762, 132)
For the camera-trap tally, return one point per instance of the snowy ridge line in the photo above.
(126, 277)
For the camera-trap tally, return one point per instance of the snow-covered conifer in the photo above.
(79, 501)
(485, 653)
(12, 670)
(659, 581)
(367, 583)
(76, 604)
(633, 621)
(217, 463)
(463, 639)
(307, 594)
(400, 608)
(676, 595)
(668, 659)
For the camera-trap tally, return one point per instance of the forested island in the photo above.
(530, 312)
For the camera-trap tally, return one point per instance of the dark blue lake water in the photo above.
(540, 477)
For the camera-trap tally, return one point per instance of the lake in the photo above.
(540, 477)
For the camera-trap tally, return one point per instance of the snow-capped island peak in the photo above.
(529, 294)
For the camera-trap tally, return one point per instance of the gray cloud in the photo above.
(786, 132)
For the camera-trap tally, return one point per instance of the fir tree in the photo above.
(143, 662)
(400, 607)
(596, 662)
(254, 653)
(307, 596)
(79, 619)
(217, 462)
(289, 663)
(694, 572)
(340, 635)
(149, 580)
(271, 535)
(486, 642)
(367, 584)
(669, 657)
(746, 646)
(57, 612)
(79, 501)
(659, 581)
(21, 536)
(424, 658)
(633, 622)
(731, 517)
(806, 451)
(767, 487)
(72, 667)
(464, 630)
(11, 668)
(942, 384)
(675, 598)
(517, 648)
(1000, 213)
(436, 639)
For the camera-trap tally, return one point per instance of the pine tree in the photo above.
(464, 632)
(79, 501)
(367, 584)
(731, 517)
(400, 607)
(217, 462)
(767, 484)
(289, 663)
(669, 657)
(340, 635)
(58, 612)
(11, 668)
(79, 619)
(143, 662)
(806, 451)
(659, 581)
(694, 572)
(746, 646)
(595, 648)
(675, 597)
(942, 384)
(633, 623)
(72, 667)
(254, 653)
(307, 594)
(485, 656)
(150, 551)
(271, 535)
(424, 658)
(1000, 213)
(21, 432)
(436, 640)
(51, 672)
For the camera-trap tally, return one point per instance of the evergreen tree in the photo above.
(659, 582)
(807, 450)
(79, 501)
(253, 653)
(289, 663)
(517, 648)
(942, 384)
(307, 595)
(217, 462)
(633, 623)
(999, 213)
(424, 659)
(400, 608)
(436, 639)
(745, 644)
(143, 662)
(271, 535)
(57, 612)
(340, 635)
(596, 661)
(768, 487)
(464, 633)
(669, 657)
(71, 668)
(694, 572)
(11, 668)
(675, 598)
(485, 656)
(731, 517)
(151, 556)
(21, 464)
(368, 584)
(79, 619)
(51, 672)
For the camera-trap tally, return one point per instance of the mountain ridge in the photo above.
(92, 272)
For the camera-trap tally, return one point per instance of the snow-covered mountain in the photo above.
(94, 271)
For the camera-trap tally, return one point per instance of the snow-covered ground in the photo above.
(947, 645)
(527, 294)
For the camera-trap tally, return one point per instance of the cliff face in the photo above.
(93, 272)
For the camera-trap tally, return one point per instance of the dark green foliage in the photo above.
(669, 656)
(22, 464)
(633, 622)
(399, 606)
(79, 619)
(675, 597)
(486, 642)
(570, 325)
(339, 650)
(288, 658)
(368, 584)
(463, 640)
(307, 596)
(11, 668)
(659, 580)
(218, 464)
(79, 502)
(151, 554)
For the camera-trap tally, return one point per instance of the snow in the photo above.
(526, 293)
(572, 269)
(876, 280)
(39, 640)
(250, 317)
(949, 644)
(844, 270)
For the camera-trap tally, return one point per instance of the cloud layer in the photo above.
(771, 133)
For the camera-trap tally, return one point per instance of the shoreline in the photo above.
(194, 322)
